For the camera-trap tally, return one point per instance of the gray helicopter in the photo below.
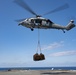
(42, 23)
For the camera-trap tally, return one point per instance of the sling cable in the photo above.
(38, 56)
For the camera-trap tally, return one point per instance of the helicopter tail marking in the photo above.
(70, 25)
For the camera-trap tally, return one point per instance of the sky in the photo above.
(18, 44)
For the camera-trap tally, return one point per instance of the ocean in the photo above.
(38, 68)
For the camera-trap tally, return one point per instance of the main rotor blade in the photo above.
(19, 20)
(65, 6)
(25, 6)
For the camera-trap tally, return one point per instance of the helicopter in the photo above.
(39, 22)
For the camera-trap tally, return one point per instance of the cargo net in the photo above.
(38, 56)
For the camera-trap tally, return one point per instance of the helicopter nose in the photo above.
(21, 23)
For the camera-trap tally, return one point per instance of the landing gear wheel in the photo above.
(63, 31)
(32, 29)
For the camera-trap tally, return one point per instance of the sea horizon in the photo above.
(36, 68)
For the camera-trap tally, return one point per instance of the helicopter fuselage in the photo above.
(40, 23)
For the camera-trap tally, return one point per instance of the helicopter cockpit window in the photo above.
(32, 20)
(26, 19)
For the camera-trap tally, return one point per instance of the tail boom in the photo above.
(70, 25)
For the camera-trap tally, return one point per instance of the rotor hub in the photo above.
(38, 16)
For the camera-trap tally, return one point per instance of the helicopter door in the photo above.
(45, 23)
(38, 21)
